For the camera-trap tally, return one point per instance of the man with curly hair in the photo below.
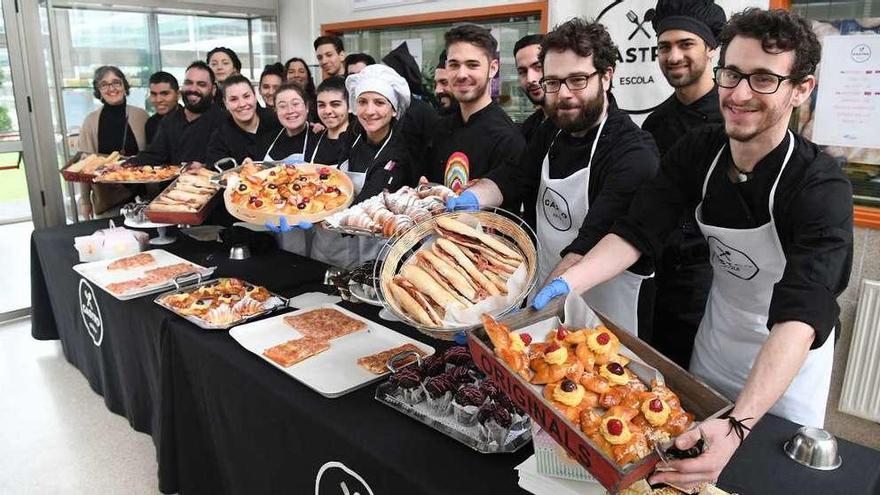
(586, 165)
(777, 215)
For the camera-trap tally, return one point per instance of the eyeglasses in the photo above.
(765, 83)
(112, 84)
(573, 83)
(284, 106)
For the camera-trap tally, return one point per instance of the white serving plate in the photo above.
(97, 273)
(334, 372)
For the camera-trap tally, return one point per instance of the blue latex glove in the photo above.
(557, 287)
(466, 201)
(283, 226)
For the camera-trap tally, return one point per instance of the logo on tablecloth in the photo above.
(335, 478)
(556, 210)
(91, 313)
(731, 260)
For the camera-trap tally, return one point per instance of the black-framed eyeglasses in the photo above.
(765, 83)
(573, 83)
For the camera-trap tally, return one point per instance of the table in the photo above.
(224, 421)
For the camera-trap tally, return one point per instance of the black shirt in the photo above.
(672, 119)
(179, 140)
(114, 132)
(417, 127)
(329, 150)
(625, 158)
(463, 151)
(230, 140)
(532, 123)
(152, 125)
(280, 145)
(812, 209)
(362, 157)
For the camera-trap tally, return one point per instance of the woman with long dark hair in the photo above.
(297, 70)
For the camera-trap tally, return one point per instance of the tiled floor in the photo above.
(56, 436)
(15, 244)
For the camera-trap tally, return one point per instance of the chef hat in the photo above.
(701, 17)
(379, 78)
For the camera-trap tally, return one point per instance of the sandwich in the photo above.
(449, 276)
(487, 244)
(428, 286)
(413, 302)
(445, 247)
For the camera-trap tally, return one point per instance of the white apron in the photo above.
(295, 241)
(565, 203)
(345, 251)
(746, 264)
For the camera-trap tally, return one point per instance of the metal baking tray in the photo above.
(352, 231)
(98, 180)
(447, 425)
(210, 326)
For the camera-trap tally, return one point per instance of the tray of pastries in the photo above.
(84, 166)
(222, 303)
(390, 214)
(303, 192)
(449, 394)
(327, 348)
(186, 201)
(118, 173)
(441, 275)
(152, 271)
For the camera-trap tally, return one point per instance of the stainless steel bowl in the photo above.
(239, 252)
(814, 448)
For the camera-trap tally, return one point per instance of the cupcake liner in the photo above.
(519, 422)
(441, 406)
(465, 415)
(412, 396)
(491, 432)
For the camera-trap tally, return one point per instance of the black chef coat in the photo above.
(283, 145)
(683, 275)
(672, 119)
(625, 158)
(152, 125)
(812, 209)
(361, 156)
(230, 140)
(179, 140)
(488, 140)
(532, 123)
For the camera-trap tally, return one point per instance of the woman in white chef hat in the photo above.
(376, 160)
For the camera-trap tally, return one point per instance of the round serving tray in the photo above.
(509, 227)
(261, 217)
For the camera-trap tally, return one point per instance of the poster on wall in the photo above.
(374, 4)
(848, 99)
(639, 85)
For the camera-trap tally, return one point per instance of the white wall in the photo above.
(299, 21)
(250, 7)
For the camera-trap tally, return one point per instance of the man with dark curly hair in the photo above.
(777, 215)
(586, 165)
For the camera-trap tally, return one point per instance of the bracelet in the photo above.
(738, 426)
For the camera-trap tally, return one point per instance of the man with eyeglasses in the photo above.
(777, 214)
(184, 136)
(687, 40)
(586, 166)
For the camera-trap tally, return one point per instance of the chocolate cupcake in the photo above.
(439, 390)
(494, 423)
(466, 404)
(433, 365)
(409, 385)
(518, 416)
(458, 356)
(461, 375)
(490, 388)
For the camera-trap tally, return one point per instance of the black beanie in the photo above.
(701, 17)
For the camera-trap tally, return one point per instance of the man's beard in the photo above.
(535, 101)
(769, 117)
(589, 114)
(690, 76)
(201, 106)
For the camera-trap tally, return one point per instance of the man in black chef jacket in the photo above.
(777, 214)
(586, 166)
(480, 136)
(184, 136)
(165, 98)
(687, 32)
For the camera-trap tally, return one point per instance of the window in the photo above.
(378, 42)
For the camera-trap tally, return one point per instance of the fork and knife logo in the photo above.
(634, 18)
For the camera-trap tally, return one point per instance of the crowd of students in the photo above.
(736, 229)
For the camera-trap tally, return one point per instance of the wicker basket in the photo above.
(511, 230)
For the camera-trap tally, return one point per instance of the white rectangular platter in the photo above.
(97, 273)
(334, 372)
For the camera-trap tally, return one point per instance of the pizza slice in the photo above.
(294, 351)
(129, 262)
(325, 323)
(375, 363)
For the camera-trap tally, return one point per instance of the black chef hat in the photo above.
(701, 17)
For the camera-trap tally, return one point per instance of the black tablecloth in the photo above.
(224, 421)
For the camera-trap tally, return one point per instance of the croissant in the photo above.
(442, 192)
(502, 340)
(396, 225)
(433, 204)
(381, 215)
(398, 204)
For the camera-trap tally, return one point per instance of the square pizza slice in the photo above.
(294, 351)
(325, 323)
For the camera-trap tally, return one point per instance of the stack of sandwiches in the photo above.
(189, 193)
(461, 267)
